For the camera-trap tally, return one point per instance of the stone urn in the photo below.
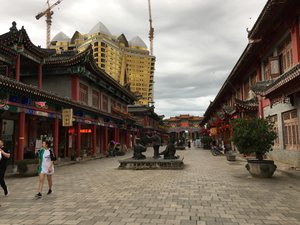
(261, 168)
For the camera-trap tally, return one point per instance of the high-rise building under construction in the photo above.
(128, 62)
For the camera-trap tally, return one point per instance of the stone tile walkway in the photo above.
(209, 191)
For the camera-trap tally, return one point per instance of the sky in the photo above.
(196, 42)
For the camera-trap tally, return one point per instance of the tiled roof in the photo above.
(20, 37)
(265, 88)
(251, 105)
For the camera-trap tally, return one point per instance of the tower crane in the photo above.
(48, 13)
(151, 31)
(151, 37)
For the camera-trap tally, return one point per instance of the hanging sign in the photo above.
(67, 117)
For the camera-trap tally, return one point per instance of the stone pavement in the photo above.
(209, 191)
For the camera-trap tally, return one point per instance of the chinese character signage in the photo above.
(67, 117)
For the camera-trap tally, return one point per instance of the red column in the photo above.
(105, 143)
(260, 107)
(101, 138)
(116, 135)
(55, 136)
(296, 43)
(40, 72)
(75, 88)
(94, 140)
(18, 61)
(78, 139)
(20, 154)
(132, 140)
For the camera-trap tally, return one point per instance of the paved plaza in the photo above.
(209, 191)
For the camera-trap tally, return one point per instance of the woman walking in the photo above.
(4, 155)
(46, 167)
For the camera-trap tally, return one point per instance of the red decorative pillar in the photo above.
(94, 140)
(260, 107)
(75, 88)
(78, 140)
(146, 121)
(296, 43)
(101, 138)
(18, 63)
(116, 135)
(105, 143)
(132, 140)
(56, 136)
(20, 154)
(40, 73)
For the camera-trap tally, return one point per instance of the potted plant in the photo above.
(206, 141)
(28, 167)
(255, 136)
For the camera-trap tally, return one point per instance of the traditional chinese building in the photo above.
(64, 98)
(184, 127)
(149, 121)
(265, 81)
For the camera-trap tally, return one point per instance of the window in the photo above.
(267, 71)
(291, 130)
(105, 103)
(96, 99)
(83, 93)
(285, 54)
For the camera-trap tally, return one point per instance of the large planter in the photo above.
(261, 168)
(31, 170)
(28, 167)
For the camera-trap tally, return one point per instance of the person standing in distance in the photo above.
(46, 167)
(4, 156)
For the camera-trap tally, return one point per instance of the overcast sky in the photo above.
(196, 42)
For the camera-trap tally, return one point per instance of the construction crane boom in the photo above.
(151, 31)
(151, 36)
(48, 13)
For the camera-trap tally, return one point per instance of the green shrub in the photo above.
(253, 136)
